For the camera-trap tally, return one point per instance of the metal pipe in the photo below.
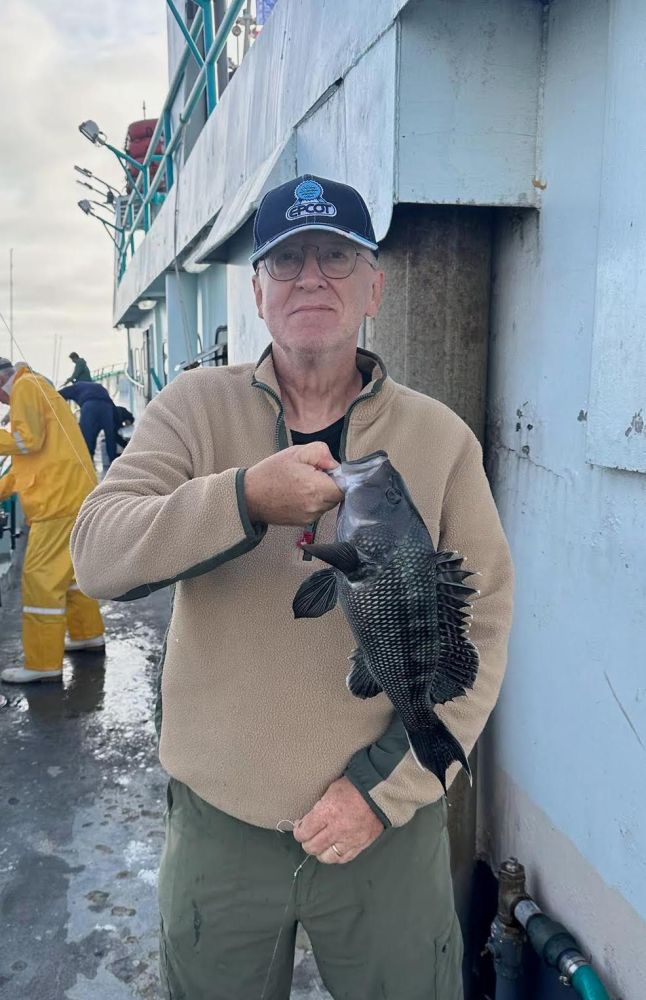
(212, 55)
(195, 52)
(172, 93)
(210, 58)
(506, 940)
(169, 162)
(519, 919)
(122, 155)
(211, 92)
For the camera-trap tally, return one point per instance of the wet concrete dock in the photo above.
(81, 819)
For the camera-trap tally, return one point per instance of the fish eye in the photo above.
(393, 496)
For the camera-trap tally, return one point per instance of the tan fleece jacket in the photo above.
(257, 718)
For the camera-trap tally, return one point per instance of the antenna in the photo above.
(11, 305)
(54, 359)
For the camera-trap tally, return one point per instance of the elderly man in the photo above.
(52, 474)
(223, 478)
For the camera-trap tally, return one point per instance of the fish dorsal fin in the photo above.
(459, 658)
(316, 596)
(342, 555)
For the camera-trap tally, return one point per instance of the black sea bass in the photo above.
(406, 604)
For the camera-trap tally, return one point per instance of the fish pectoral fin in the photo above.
(435, 748)
(342, 555)
(360, 681)
(316, 596)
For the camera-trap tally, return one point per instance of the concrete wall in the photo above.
(567, 749)
(433, 326)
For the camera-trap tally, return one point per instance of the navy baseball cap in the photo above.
(311, 203)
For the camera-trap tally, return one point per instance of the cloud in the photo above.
(59, 65)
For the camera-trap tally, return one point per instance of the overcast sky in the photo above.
(61, 62)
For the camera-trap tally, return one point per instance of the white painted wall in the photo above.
(181, 320)
(617, 421)
(567, 748)
(468, 101)
(211, 303)
(248, 335)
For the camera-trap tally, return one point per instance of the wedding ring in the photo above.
(336, 851)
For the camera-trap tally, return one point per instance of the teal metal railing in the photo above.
(136, 212)
(110, 371)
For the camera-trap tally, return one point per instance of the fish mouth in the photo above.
(354, 472)
(374, 459)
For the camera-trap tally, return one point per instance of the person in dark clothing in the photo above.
(122, 418)
(98, 413)
(81, 371)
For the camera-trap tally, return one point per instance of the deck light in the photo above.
(146, 304)
(110, 192)
(109, 196)
(92, 132)
(86, 207)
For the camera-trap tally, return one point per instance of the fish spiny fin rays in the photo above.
(342, 555)
(360, 681)
(316, 596)
(435, 748)
(458, 658)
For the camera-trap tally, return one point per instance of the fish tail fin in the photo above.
(435, 749)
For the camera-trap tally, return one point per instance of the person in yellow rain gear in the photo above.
(52, 473)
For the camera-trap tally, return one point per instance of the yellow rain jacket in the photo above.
(52, 472)
(51, 466)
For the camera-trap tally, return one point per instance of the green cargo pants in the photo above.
(383, 926)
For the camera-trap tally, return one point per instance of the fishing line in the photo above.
(287, 905)
(56, 417)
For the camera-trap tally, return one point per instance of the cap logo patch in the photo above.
(309, 202)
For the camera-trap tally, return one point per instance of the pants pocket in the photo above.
(448, 963)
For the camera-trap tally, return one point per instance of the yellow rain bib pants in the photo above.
(52, 473)
(51, 600)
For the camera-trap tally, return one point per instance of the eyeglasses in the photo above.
(335, 261)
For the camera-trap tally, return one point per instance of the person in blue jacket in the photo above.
(98, 413)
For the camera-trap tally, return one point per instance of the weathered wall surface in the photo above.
(248, 334)
(408, 100)
(433, 326)
(468, 101)
(380, 127)
(277, 86)
(568, 742)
